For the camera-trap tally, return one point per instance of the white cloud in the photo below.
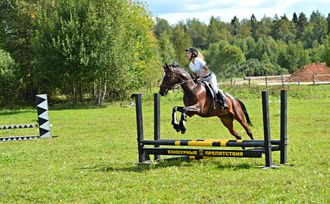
(174, 10)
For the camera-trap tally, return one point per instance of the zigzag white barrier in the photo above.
(43, 122)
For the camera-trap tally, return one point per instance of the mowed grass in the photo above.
(94, 158)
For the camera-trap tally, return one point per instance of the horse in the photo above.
(199, 101)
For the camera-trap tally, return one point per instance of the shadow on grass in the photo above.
(141, 167)
(15, 112)
(236, 166)
(75, 106)
(164, 163)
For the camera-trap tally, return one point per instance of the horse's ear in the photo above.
(165, 66)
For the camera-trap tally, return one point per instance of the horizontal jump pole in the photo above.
(210, 143)
(18, 138)
(18, 126)
(204, 152)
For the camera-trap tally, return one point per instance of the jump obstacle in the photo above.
(43, 122)
(250, 148)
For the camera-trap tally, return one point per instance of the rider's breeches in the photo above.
(212, 79)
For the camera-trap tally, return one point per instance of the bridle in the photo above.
(175, 85)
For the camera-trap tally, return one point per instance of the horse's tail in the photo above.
(245, 113)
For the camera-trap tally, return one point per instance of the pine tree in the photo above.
(328, 20)
(295, 18)
(254, 26)
(301, 25)
(235, 26)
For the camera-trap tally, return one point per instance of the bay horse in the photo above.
(198, 101)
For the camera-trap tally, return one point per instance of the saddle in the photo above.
(210, 93)
(209, 90)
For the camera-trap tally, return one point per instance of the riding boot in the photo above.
(222, 100)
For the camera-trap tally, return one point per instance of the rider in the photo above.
(202, 72)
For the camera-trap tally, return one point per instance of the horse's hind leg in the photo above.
(247, 129)
(241, 120)
(228, 123)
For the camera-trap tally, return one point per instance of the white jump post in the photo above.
(43, 122)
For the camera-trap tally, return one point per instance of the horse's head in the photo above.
(171, 77)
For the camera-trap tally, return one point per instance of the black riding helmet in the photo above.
(193, 50)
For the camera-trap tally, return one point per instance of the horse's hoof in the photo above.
(176, 127)
(238, 137)
(183, 130)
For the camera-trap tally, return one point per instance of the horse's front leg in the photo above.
(189, 110)
(174, 122)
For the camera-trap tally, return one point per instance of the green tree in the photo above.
(295, 18)
(230, 54)
(214, 30)
(316, 53)
(260, 48)
(181, 41)
(254, 26)
(253, 67)
(95, 48)
(67, 47)
(166, 47)
(328, 21)
(251, 48)
(301, 25)
(197, 32)
(293, 57)
(16, 33)
(217, 31)
(245, 30)
(327, 51)
(266, 48)
(146, 68)
(221, 54)
(235, 26)
(213, 51)
(308, 36)
(264, 27)
(9, 82)
(283, 29)
(319, 26)
(162, 26)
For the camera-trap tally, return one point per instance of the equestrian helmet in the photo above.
(193, 50)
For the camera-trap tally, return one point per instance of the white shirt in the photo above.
(197, 67)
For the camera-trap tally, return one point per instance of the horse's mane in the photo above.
(182, 71)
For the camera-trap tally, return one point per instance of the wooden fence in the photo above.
(276, 80)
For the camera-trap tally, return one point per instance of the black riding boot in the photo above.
(222, 100)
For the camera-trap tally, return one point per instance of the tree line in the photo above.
(249, 47)
(81, 50)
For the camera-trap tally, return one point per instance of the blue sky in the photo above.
(175, 10)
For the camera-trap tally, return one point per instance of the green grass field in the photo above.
(94, 158)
